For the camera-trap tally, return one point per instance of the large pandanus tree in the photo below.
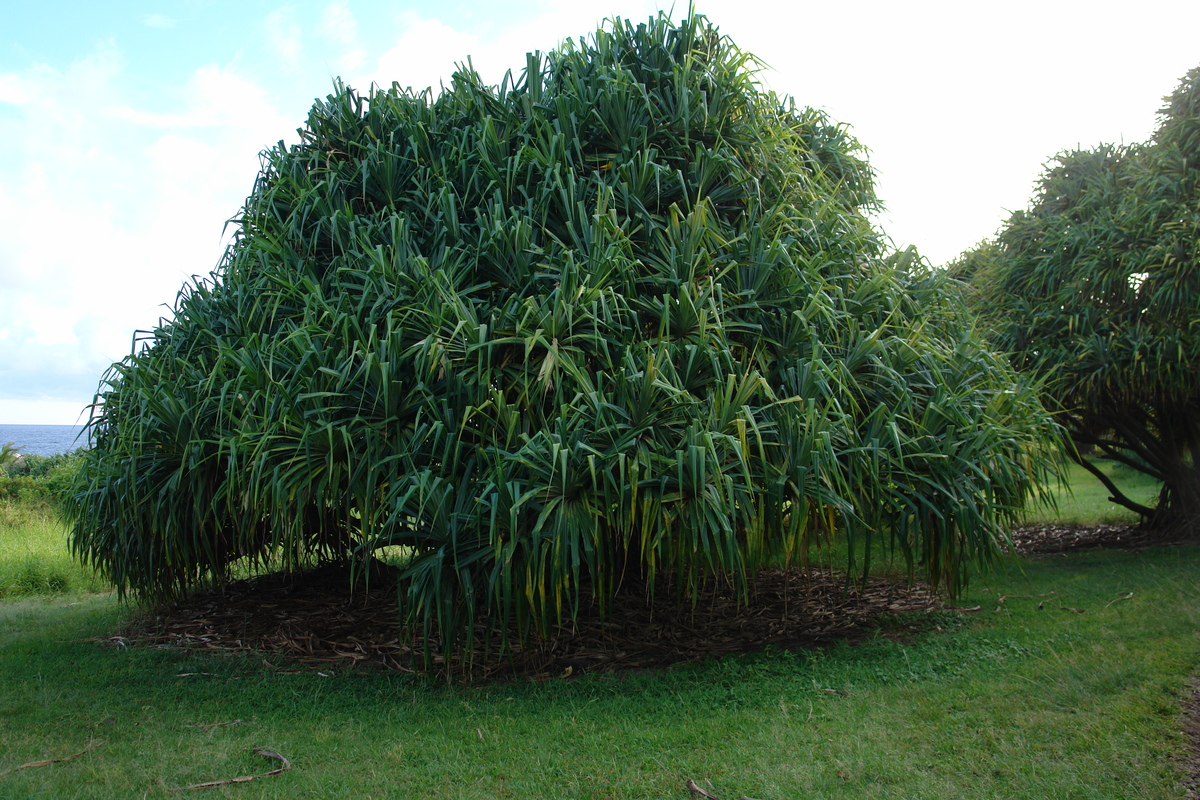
(1095, 289)
(617, 324)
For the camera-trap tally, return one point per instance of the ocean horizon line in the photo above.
(42, 440)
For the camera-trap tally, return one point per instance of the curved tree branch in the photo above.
(1113, 450)
(1117, 496)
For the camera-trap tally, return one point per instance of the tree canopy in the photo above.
(617, 324)
(1096, 289)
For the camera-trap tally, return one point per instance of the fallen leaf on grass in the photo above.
(50, 761)
(244, 778)
(211, 725)
(1119, 599)
(695, 789)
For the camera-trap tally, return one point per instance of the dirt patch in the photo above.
(1049, 539)
(315, 621)
(1037, 540)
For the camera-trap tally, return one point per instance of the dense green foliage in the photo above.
(34, 479)
(1096, 289)
(618, 324)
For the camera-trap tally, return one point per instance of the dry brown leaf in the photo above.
(261, 751)
(696, 790)
(47, 762)
(1119, 599)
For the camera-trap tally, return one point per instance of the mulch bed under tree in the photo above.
(1046, 539)
(314, 620)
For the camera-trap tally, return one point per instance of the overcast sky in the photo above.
(131, 130)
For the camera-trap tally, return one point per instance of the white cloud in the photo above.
(339, 26)
(961, 104)
(214, 98)
(160, 21)
(424, 55)
(43, 324)
(107, 214)
(12, 89)
(285, 38)
(338, 23)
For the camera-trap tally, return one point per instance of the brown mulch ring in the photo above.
(1055, 539)
(313, 620)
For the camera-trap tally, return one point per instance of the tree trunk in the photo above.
(1178, 510)
(1161, 441)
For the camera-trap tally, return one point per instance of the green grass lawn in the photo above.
(1069, 687)
(33, 555)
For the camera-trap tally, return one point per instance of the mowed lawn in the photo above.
(1067, 682)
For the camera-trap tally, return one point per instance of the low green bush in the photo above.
(35, 480)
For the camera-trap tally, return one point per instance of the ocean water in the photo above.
(42, 440)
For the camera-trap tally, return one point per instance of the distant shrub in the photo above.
(35, 480)
(36, 466)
